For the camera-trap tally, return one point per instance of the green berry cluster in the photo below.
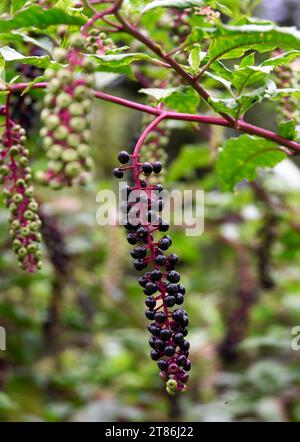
(98, 42)
(16, 177)
(66, 118)
(287, 106)
(155, 146)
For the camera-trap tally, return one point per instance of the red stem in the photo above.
(241, 125)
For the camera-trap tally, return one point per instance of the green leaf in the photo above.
(195, 58)
(9, 54)
(180, 99)
(189, 159)
(180, 4)
(116, 62)
(281, 59)
(288, 130)
(240, 158)
(234, 41)
(16, 5)
(36, 16)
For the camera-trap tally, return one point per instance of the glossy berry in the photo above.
(160, 317)
(123, 157)
(156, 167)
(118, 173)
(147, 168)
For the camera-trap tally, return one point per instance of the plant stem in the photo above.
(241, 125)
(169, 60)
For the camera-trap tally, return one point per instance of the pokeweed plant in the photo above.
(197, 61)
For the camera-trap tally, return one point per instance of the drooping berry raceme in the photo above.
(16, 177)
(66, 118)
(142, 203)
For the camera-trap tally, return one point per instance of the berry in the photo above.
(160, 317)
(138, 252)
(139, 264)
(150, 302)
(160, 260)
(132, 238)
(162, 365)
(156, 167)
(123, 157)
(149, 314)
(118, 173)
(170, 301)
(150, 288)
(169, 350)
(154, 355)
(155, 275)
(147, 168)
(165, 334)
(173, 276)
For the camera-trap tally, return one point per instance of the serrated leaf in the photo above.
(288, 130)
(180, 4)
(116, 62)
(9, 54)
(36, 16)
(234, 41)
(241, 157)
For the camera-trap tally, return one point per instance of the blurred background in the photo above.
(77, 344)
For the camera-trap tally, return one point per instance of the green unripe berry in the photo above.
(18, 198)
(4, 170)
(54, 153)
(22, 252)
(33, 206)
(52, 122)
(32, 248)
(87, 104)
(43, 132)
(76, 109)
(83, 150)
(56, 185)
(25, 231)
(15, 224)
(61, 133)
(16, 244)
(80, 92)
(23, 161)
(172, 384)
(29, 192)
(47, 142)
(59, 54)
(34, 226)
(38, 237)
(78, 124)
(45, 114)
(40, 177)
(69, 155)
(14, 151)
(49, 73)
(13, 208)
(54, 85)
(39, 265)
(169, 391)
(65, 76)
(22, 139)
(56, 166)
(73, 169)
(73, 140)
(48, 101)
(63, 100)
(77, 41)
(28, 215)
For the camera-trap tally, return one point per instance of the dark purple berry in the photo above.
(147, 168)
(164, 226)
(118, 173)
(178, 339)
(165, 334)
(154, 330)
(142, 232)
(150, 302)
(169, 350)
(138, 252)
(170, 301)
(139, 264)
(156, 167)
(150, 288)
(173, 276)
(132, 238)
(162, 365)
(179, 298)
(160, 317)
(154, 355)
(149, 314)
(160, 345)
(123, 157)
(160, 260)
(155, 275)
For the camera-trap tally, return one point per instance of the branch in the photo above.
(130, 29)
(241, 126)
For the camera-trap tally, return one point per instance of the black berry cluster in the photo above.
(16, 177)
(66, 118)
(160, 282)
